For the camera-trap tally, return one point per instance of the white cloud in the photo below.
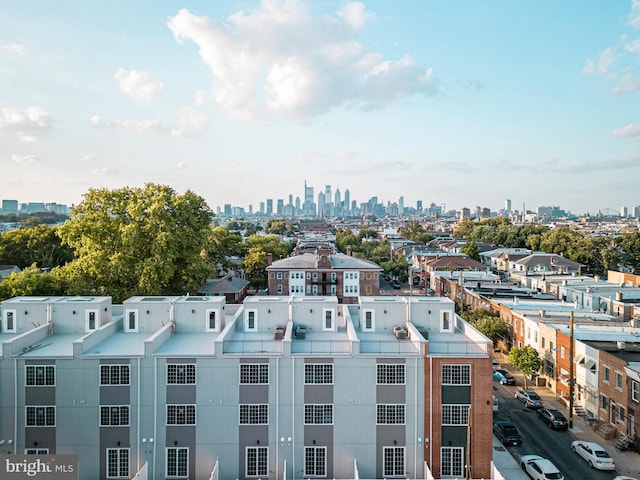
(14, 48)
(89, 158)
(629, 131)
(201, 97)
(346, 154)
(137, 126)
(278, 60)
(27, 125)
(602, 64)
(633, 46)
(105, 171)
(141, 86)
(27, 159)
(190, 123)
(182, 165)
(626, 84)
(634, 15)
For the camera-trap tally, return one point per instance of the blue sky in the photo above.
(451, 102)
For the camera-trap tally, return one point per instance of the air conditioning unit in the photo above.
(400, 331)
(278, 332)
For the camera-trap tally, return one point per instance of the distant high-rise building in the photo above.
(269, 207)
(465, 214)
(10, 207)
(297, 204)
(308, 207)
(401, 206)
(419, 205)
(321, 204)
(624, 212)
(636, 211)
(290, 200)
(250, 209)
(337, 199)
(261, 208)
(227, 209)
(507, 206)
(485, 213)
(347, 201)
(280, 207)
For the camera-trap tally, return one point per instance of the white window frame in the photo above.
(5, 321)
(175, 468)
(318, 373)
(120, 367)
(311, 457)
(177, 376)
(278, 275)
(247, 321)
(331, 326)
(35, 368)
(253, 414)
(391, 454)
(318, 414)
(455, 414)
(561, 352)
(257, 469)
(110, 412)
(453, 468)
(606, 374)
(216, 320)
(254, 374)
(372, 326)
(36, 451)
(120, 462)
(635, 391)
(87, 320)
(391, 414)
(173, 412)
(391, 374)
(279, 289)
(127, 319)
(446, 321)
(456, 374)
(35, 410)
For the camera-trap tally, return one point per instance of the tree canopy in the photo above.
(137, 241)
(38, 245)
(491, 325)
(415, 231)
(526, 359)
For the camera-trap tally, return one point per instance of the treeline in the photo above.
(598, 253)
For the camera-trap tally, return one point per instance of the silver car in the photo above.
(529, 398)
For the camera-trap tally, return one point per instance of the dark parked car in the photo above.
(507, 433)
(504, 377)
(553, 418)
(395, 284)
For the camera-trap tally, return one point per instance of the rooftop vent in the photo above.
(278, 332)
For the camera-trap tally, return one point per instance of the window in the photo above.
(315, 461)
(561, 352)
(318, 373)
(181, 374)
(328, 319)
(279, 275)
(212, 321)
(251, 321)
(318, 414)
(10, 321)
(446, 325)
(40, 375)
(308, 275)
(390, 373)
(91, 316)
(40, 416)
(314, 290)
(279, 289)
(315, 277)
(618, 381)
(451, 461)
(178, 462)
(333, 276)
(621, 413)
(114, 415)
(36, 451)
(254, 414)
(635, 391)
(114, 374)
(542, 339)
(603, 402)
(254, 373)
(369, 321)
(605, 374)
(181, 414)
(117, 463)
(456, 374)
(131, 321)
(390, 414)
(257, 462)
(393, 462)
(333, 290)
(455, 414)
(308, 289)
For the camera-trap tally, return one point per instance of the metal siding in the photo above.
(454, 436)
(391, 393)
(254, 394)
(318, 394)
(181, 394)
(43, 437)
(320, 436)
(40, 395)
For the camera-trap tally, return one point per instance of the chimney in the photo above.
(621, 345)
(269, 258)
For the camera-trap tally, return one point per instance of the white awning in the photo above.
(590, 365)
(578, 359)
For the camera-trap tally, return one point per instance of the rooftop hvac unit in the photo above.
(400, 331)
(278, 332)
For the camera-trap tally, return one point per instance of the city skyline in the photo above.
(458, 104)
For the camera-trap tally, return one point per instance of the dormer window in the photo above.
(212, 321)
(131, 321)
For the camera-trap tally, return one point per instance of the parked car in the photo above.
(529, 398)
(496, 365)
(504, 377)
(386, 277)
(395, 284)
(496, 405)
(553, 418)
(595, 455)
(507, 433)
(540, 468)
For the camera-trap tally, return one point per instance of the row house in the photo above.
(277, 387)
(324, 274)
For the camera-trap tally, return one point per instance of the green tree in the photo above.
(255, 264)
(269, 244)
(137, 241)
(630, 245)
(471, 250)
(275, 226)
(346, 238)
(415, 231)
(526, 360)
(488, 323)
(32, 281)
(38, 245)
(222, 245)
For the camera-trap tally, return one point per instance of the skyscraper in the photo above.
(507, 206)
(347, 201)
(269, 207)
(308, 208)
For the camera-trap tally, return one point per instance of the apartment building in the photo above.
(324, 273)
(277, 387)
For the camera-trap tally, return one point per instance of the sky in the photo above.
(457, 103)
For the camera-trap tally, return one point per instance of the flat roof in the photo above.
(120, 344)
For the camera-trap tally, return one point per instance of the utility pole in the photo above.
(571, 381)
